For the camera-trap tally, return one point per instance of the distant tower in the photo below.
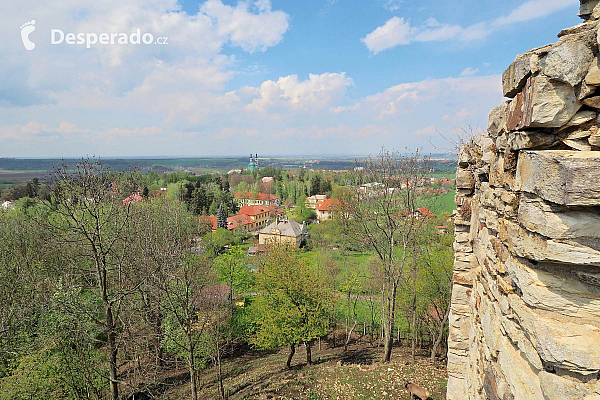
(253, 163)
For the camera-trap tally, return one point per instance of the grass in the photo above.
(441, 205)
(448, 175)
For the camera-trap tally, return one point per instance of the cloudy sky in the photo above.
(274, 77)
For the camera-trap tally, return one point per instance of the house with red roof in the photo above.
(419, 213)
(134, 198)
(249, 218)
(259, 214)
(327, 208)
(261, 199)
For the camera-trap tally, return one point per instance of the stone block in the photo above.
(568, 62)
(561, 176)
(543, 103)
(513, 79)
(539, 248)
(558, 222)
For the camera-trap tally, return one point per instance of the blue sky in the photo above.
(274, 77)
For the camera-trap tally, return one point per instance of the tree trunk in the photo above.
(440, 336)
(388, 323)
(192, 367)
(288, 364)
(219, 369)
(414, 315)
(112, 348)
(158, 339)
(193, 386)
(349, 335)
(308, 353)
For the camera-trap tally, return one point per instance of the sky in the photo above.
(273, 77)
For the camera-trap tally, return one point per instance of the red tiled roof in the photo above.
(329, 205)
(134, 198)
(232, 222)
(254, 210)
(275, 209)
(425, 212)
(238, 220)
(256, 196)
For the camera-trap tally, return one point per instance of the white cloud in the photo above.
(334, 131)
(393, 33)
(245, 29)
(397, 31)
(337, 110)
(469, 71)
(533, 9)
(289, 93)
(427, 131)
(191, 62)
(464, 112)
(416, 97)
(392, 5)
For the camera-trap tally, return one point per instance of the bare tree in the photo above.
(382, 212)
(87, 213)
(190, 311)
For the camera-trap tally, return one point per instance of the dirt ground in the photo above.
(358, 374)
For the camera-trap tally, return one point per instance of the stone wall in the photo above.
(525, 313)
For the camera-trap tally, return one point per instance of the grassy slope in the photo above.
(335, 375)
(441, 205)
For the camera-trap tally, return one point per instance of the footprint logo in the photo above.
(26, 29)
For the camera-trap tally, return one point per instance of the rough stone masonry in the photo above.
(525, 313)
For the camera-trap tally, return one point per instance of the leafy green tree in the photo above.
(232, 270)
(293, 305)
(214, 242)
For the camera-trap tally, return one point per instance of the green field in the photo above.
(441, 205)
(448, 175)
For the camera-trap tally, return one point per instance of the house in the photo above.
(312, 201)
(249, 218)
(134, 198)
(419, 213)
(267, 179)
(239, 221)
(283, 230)
(261, 199)
(327, 208)
(257, 250)
(258, 214)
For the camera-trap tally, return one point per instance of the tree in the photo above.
(88, 213)
(293, 304)
(191, 309)
(222, 217)
(232, 270)
(383, 215)
(315, 184)
(325, 186)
